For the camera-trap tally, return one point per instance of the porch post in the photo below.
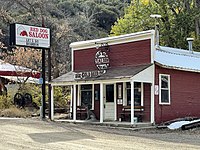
(52, 104)
(152, 97)
(132, 102)
(124, 94)
(152, 103)
(71, 101)
(101, 103)
(78, 96)
(74, 104)
(115, 101)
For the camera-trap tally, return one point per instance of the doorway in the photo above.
(109, 105)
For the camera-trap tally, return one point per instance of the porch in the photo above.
(114, 96)
(124, 125)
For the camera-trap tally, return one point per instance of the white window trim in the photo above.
(161, 103)
(142, 94)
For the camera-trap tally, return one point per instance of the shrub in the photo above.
(5, 102)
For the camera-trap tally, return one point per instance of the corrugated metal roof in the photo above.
(178, 59)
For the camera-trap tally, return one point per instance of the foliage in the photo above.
(61, 96)
(34, 90)
(69, 21)
(5, 102)
(179, 20)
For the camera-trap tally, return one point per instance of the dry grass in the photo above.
(15, 112)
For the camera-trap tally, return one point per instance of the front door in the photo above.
(109, 106)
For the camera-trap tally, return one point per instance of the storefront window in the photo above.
(86, 96)
(137, 93)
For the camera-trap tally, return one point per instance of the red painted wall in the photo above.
(147, 102)
(126, 54)
(97, 102)
(185, 95)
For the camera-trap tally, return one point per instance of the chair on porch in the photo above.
(81, 112)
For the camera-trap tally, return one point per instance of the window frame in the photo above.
(160, 89)
(141, 92)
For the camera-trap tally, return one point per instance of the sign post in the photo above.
(35, 37)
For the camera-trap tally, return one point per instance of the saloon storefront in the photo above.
(112, 77)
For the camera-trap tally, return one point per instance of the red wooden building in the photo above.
(128, 78)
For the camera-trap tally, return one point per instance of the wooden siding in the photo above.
(185, 95)
(147, 102)
(97, 102)
(127, 54)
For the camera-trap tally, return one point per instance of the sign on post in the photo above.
(30, 36)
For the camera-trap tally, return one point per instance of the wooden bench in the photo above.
(81, 112)
(126, 113)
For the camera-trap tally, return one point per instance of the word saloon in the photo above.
(31, 36)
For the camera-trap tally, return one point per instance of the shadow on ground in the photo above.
(52, 137)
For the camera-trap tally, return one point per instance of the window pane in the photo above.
(137, 96)
(86, 99)
(128, 96)
(137, 93)
(165, 96)
(110, 93)
(86, 87)
(164, 81)
(128, 85)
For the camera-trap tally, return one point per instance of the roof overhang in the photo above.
(141, 73)
(177, 68)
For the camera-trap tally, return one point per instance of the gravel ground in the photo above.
(34, 134)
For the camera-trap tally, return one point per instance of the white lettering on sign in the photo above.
(89, 74)
(102, 62)
(32, 36)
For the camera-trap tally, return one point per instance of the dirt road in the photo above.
(33, 134)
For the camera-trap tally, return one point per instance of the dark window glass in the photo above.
(86, 87)
(110, 93)
(137, 93)
(164, 96)
(86, 96)
(164, 82)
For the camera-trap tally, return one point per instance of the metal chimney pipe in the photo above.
(156, 17)
(190, 40)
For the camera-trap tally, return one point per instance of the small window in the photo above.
(164, 82)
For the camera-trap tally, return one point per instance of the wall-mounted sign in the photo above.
(102, 60)
(156, 90)
(89, 74)
(31, 36)
(102, 63)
